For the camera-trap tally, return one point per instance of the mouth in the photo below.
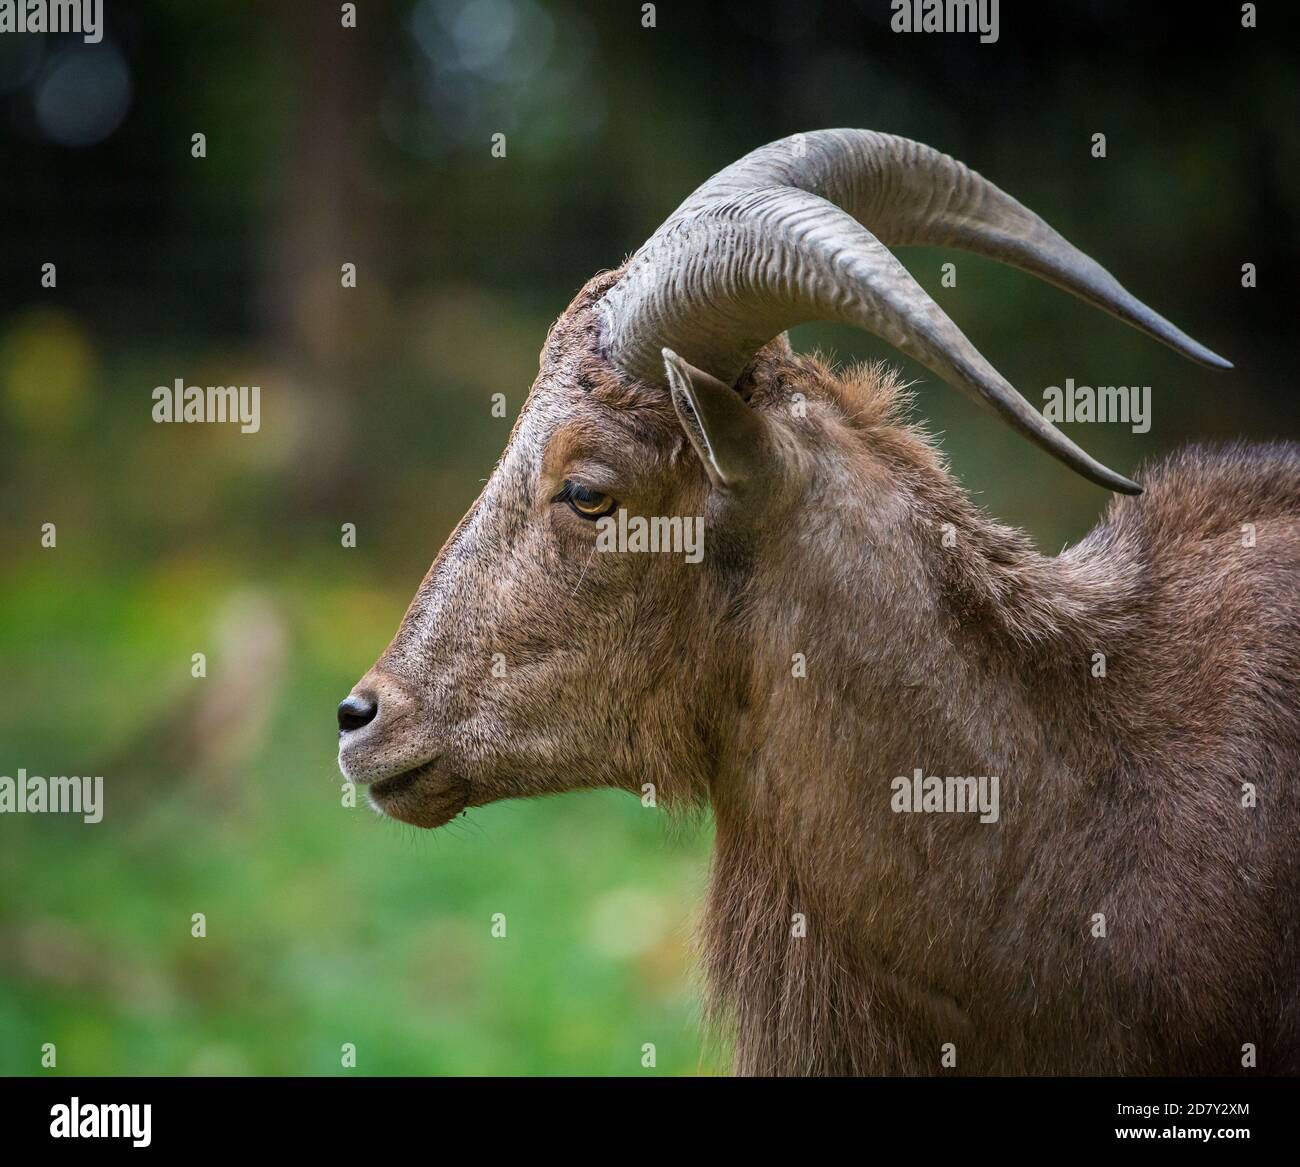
(423, 796)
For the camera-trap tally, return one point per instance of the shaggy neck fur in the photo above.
(844, 938)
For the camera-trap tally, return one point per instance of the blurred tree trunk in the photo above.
(325, 214)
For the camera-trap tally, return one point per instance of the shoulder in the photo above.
(1203, 491)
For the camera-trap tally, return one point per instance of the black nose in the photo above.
(356, 710)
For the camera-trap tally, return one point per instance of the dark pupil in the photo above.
(583, 495)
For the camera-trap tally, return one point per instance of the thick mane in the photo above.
(1126, 690)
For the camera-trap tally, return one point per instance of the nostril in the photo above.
(355, 711)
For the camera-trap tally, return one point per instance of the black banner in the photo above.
(340, 1115)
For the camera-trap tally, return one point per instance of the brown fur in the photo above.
(1120, 795)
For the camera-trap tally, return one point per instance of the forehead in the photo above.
(579, 406)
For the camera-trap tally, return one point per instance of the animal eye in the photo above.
(590, 504)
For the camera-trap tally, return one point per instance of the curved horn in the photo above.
(799, 230)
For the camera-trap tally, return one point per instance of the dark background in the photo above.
(372, 146)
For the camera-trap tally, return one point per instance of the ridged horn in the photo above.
(800, 229)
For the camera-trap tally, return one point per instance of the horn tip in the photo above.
(1118, 483)
(1107, 478)
(1204, 356)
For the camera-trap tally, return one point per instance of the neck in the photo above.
(839, 931)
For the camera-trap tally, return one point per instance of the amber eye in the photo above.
(590, 504)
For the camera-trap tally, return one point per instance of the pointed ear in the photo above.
(729, 437)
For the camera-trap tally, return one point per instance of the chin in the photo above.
(423, 797)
